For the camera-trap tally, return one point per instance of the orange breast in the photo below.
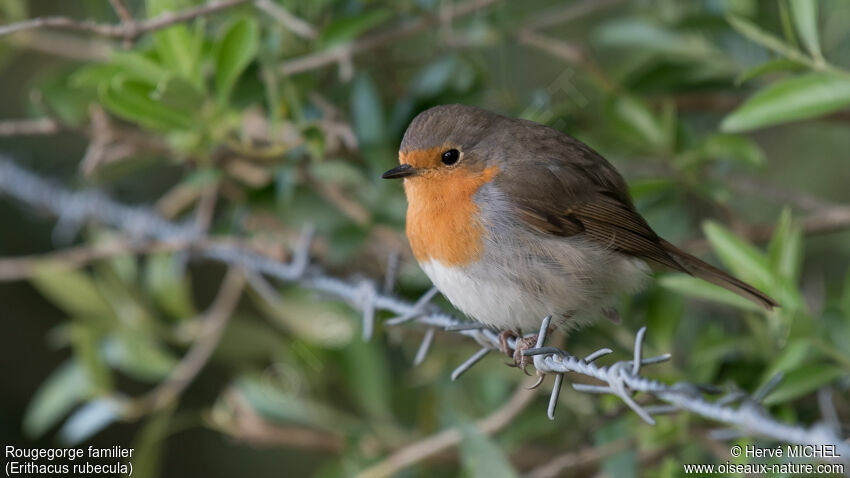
(442, 219)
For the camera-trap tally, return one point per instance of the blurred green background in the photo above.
(728, 118)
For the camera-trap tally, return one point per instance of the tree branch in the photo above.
(248, 426)
(344, 52)
(288, 20)
(446, 439)
(559, 465)
(124, 30)
(20, 127)
(213, 323)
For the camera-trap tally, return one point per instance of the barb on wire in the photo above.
(366, 302)
(418, 308)
(424, 347)
(476, 357)
(622, 378)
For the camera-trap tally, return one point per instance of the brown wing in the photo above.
(568, 189)
(576, 191)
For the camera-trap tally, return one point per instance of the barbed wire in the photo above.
(622, 378)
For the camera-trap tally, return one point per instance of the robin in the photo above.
(513, 221)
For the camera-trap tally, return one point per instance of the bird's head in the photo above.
(445, 143)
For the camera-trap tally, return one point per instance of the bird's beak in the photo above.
(400, 171)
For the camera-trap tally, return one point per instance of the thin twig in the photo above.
(334, 194)
(213, 323)
(22, 127)
(24, 267)
(571, 53)
(344, 52)
(561, 464)
(206, 207)
(762, 188)
(567, 13)
(831, 219)
(64, 45)
(288, 20)
(434, 444)
(248, 426)
(123, 30)
(17, 268)
(122, 11)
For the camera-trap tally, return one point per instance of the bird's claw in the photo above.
(503, 341)
(540, 377)
(522, 344)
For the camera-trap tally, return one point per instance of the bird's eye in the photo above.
(450, 157)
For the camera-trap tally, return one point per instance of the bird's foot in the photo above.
(522, 344)
(503, 341)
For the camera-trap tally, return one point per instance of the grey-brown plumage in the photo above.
(573, 190)
(558, 187)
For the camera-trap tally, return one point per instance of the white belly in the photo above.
(494, 303)
(518, 294)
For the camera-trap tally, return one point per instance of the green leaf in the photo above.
(86, 345)
(785, 251)
(348, 28)
(435, 77)
(844, 298)
(176, 92)
(730, 147)
(481, 457)
(741, 257)
(63, 389)
(636, 119)
(623, 464)
(149, 444)
(763, 38)
(139, 356)
(651, 187)
(337, 171)
(70, 105)
(133, 101)
(13, 10)
(247, 339)
(234, 53)
(802, 381)
(698, 288)
(71, 290)
(806, 21)
(177, 47)
(270, 401)
(663, 313)
(368, 378)
(330, 326)
(89, 419)
(655, 39)
(140, 67)
(793, 355)
(367, 111)
(770, 66)
(92, 76)
(171, 291)
(805, 96)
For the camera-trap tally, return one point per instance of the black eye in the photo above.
(450, 157)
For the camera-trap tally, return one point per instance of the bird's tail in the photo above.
(707, 272)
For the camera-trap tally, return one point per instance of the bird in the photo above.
(514, 221)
